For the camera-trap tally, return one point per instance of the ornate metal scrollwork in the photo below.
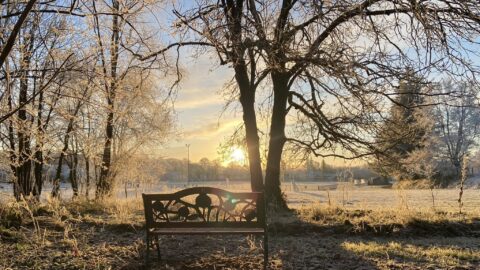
(205, 206)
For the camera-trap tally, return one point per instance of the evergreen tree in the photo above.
(405, 131)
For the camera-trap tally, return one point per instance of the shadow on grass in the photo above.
(295, 243)
(290, 248)
(414, 227)
(417, 253)
(299, 244)
(417, 244)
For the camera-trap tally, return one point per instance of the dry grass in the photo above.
(319, 234)
(440, 253)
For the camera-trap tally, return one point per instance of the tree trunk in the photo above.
(11, 138)
(38, 166)
(105, 183)
(58, 173)
(24, 162)
(73, 173)
(277, 140)
(7, 47)
(247, 100)
(87, 173)
(38, 169)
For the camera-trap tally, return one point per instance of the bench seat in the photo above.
(207, 230)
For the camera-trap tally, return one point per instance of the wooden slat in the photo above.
(207, 231)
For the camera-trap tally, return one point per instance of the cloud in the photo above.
(211, 100)
(212, 129)
(199, 105)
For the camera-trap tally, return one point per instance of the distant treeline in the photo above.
(176, 170)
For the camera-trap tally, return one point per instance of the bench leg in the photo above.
(265, 251)
(157, 244)
(147, 255)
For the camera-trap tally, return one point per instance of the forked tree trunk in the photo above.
(246, 84)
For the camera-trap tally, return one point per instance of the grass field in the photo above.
(346, 228)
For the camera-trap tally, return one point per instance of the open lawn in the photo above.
(346, 228)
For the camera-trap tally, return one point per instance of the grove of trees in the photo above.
(73, 93)
(81, 79)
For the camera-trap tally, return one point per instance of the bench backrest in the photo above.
(205, 207)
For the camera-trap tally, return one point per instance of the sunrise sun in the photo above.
(238, 155)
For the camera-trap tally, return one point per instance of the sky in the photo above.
(200, 119)
(198, 107)
(198, 103)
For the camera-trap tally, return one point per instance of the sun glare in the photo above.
(237, 155)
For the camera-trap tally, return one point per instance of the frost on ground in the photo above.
(346, 228)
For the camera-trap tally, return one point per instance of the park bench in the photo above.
(204, 210)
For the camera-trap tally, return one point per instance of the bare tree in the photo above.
(13, 19)
(29, 74)
(72, 116)
(49, 89)
(113, 25)
(458, 121)
(224, 27)
(336, 63)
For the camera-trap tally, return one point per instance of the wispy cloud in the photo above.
(197, 103)
(212, 129)
(199, 106)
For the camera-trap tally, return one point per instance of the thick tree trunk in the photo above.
(105, 184)
(277, 141)
(38, 169)
(24, 162)
(247, 100)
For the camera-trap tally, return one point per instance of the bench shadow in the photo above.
(290, 247)
(299, 244)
